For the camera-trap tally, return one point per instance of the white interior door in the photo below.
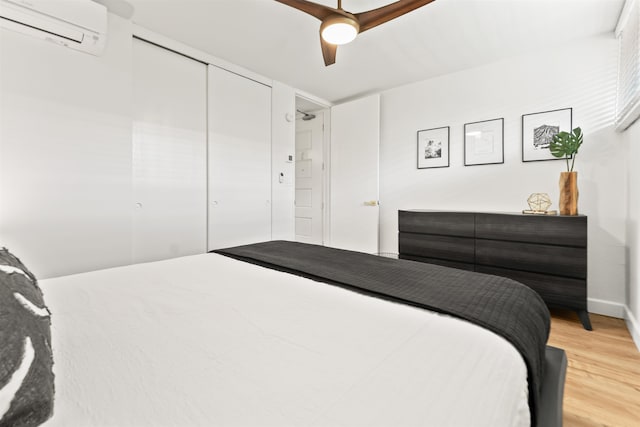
(169, 154)
(355, 139)
(309, 178)
(239, 160)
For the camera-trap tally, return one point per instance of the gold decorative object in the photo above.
(539, 201)
(539, 204)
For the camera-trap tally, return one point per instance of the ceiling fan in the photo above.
(341, 27)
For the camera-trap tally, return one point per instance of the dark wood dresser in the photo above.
(546, 253)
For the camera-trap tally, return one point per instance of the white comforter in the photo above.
(210, 341)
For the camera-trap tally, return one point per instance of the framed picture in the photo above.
(484, 142)
(433, 148)
(538, 130)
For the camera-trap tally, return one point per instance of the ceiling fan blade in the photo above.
(375, 17)
(328, 52)
(319, 11)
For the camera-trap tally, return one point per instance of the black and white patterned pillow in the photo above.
(26, 376)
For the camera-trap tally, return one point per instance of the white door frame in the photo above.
(324, 108)
(313, 128)
(326, 184)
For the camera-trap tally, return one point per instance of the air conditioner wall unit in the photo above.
(76, 24)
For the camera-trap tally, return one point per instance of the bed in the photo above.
(224, 339)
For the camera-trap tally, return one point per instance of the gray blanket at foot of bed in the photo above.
(506, 307)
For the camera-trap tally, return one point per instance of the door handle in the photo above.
(371, 203)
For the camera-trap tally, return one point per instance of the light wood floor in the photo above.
(603, 376)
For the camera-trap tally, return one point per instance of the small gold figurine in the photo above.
(538, 204)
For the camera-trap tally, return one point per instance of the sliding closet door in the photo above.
(169, 154)
(239, 160)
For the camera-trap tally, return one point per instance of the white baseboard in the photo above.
(606, 308)
(633, 326)
(621, 311)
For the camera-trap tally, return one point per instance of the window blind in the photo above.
(628, 96)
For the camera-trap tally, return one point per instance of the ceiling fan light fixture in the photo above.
(339, 29)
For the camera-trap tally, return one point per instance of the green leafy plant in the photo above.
(565, 144)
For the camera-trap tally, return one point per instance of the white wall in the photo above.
(633, 233)
(65, 152)
(581, 75)
(283, 144)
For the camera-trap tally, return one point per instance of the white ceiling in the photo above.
(282, 43)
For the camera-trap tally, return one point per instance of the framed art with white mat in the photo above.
(538, 130)
(484, 142)
(433, 148)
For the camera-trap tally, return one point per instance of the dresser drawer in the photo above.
(548, 259)
(443, 262)
(458, 249)
(551, 230)
(546, 253)
(555, 291)
(444, 223)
